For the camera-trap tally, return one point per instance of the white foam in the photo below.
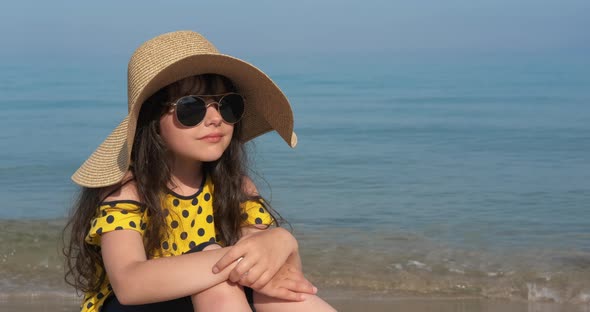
(419, 265)
(541, 293)
(582, 298)
(458, 271)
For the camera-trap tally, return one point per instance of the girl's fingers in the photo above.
(311, 289)
(243, 267)
(298, 286)
(262, 280)
(234, 254)
(251, 276)
(286, 294)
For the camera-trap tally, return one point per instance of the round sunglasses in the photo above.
(191, 109)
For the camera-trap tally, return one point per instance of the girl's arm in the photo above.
(263, 251)
(136, 280)
(294, 258)
(261, 255)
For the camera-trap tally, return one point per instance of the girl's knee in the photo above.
(312, 303)
(221, 297)
(225, 296)
(222, 292)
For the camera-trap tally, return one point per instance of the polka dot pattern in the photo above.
(115, 216)
(255, 213)
(190, 219)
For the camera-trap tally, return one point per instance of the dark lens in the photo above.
(231, 108)
(190, 111)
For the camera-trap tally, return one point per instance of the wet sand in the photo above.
(413, 304)
(450, 305)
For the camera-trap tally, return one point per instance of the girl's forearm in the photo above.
(169, 278)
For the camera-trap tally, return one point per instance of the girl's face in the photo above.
(204, 142)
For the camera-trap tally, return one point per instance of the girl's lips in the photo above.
(212, 138)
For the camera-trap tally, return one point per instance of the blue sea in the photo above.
(462, 175)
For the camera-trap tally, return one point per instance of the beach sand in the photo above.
(350, 305)
(343, 302)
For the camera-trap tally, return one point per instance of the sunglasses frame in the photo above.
(202, 97)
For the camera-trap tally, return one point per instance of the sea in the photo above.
(415, 173)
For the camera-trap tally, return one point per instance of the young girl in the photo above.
(167, 219)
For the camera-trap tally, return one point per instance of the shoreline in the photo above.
(345, 301)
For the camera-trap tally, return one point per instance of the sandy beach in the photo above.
(345, 302)
(350, 305)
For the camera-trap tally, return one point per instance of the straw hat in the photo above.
(171, 57)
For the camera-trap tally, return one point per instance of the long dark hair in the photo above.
(151, 174)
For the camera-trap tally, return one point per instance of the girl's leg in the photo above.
(226, 296)
(183, 304)
(311, 303)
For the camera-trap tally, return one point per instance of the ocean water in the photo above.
(422, 174)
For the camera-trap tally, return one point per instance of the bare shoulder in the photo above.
(249, 186)
(124, 190)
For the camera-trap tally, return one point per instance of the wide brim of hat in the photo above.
(267, 109)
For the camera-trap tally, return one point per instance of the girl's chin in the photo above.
(208, 156)
(203, 153)
(208, 159)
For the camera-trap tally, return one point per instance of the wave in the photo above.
(379, 263)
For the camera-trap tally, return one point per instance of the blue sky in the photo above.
(107, 27)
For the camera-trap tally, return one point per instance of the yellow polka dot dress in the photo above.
(190, 220)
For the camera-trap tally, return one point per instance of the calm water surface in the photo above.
(428, 174)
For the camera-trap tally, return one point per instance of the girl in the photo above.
(167, 219)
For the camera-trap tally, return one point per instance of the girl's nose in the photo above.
(212, 116)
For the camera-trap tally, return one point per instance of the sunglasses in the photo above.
(191, 109)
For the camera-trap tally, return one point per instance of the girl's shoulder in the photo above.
(125, 190)
(249, 187)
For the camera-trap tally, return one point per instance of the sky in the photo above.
(108, 27)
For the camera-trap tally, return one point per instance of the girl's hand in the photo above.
(259, 255)
(288, 284)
